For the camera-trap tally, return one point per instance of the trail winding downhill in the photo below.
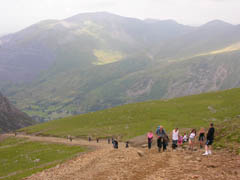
(106, 163)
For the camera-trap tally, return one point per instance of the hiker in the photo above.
(162, 138)
(175, 135)
(115, 144)
(69, 138)
(210, 138)
(180, 140)
(201, 137)
(97, 140)
(150, 138)
(89, 138)
(185, 138)
(127, 144)
(192, 139)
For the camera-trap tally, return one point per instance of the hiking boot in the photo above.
(205, 154)
(209, 152)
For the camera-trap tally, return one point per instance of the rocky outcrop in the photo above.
(10, 117)
(140, 88)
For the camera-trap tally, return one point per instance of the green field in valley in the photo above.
(20, 158)
(132, 120)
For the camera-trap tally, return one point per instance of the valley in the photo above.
(94, 61)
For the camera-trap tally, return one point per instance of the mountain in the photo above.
(11, 118)
(94, 61)
(83, 39)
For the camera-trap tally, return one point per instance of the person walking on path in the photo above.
(192, 139)
(180, 140)
(201, 137)
(69, 138)
(209, 142)
(175, 135)
(150, 138)
(185, 138)
(162, 138)
(127, 144)
(115, 144)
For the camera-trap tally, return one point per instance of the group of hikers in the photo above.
(114, 142)
(178, 139)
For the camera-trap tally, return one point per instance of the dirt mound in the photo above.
(125, 164)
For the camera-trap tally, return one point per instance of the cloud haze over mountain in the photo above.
(17, 14)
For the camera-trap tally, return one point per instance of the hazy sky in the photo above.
(17, 14)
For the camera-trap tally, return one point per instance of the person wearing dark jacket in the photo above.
(209, 142)
(115, 144)
(162, 138)
(127, 144)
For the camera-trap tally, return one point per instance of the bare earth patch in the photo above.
(108, 163)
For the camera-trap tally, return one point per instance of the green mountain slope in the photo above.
(132, 120)
(94, 61)
(118, 83)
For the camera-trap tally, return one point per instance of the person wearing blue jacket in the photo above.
(161, 138)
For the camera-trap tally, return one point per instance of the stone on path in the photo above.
(144, 145)
(140, 153)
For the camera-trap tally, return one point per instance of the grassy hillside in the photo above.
(131, 120)
(228, 135)
(20, 158)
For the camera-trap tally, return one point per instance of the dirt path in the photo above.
(80, 142)
(107, 163)
(127, 164)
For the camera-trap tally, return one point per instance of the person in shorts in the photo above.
(192, 139)
(209, 142)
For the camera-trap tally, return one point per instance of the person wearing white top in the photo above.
(185, 138)
(192, 139)
(175, 135)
